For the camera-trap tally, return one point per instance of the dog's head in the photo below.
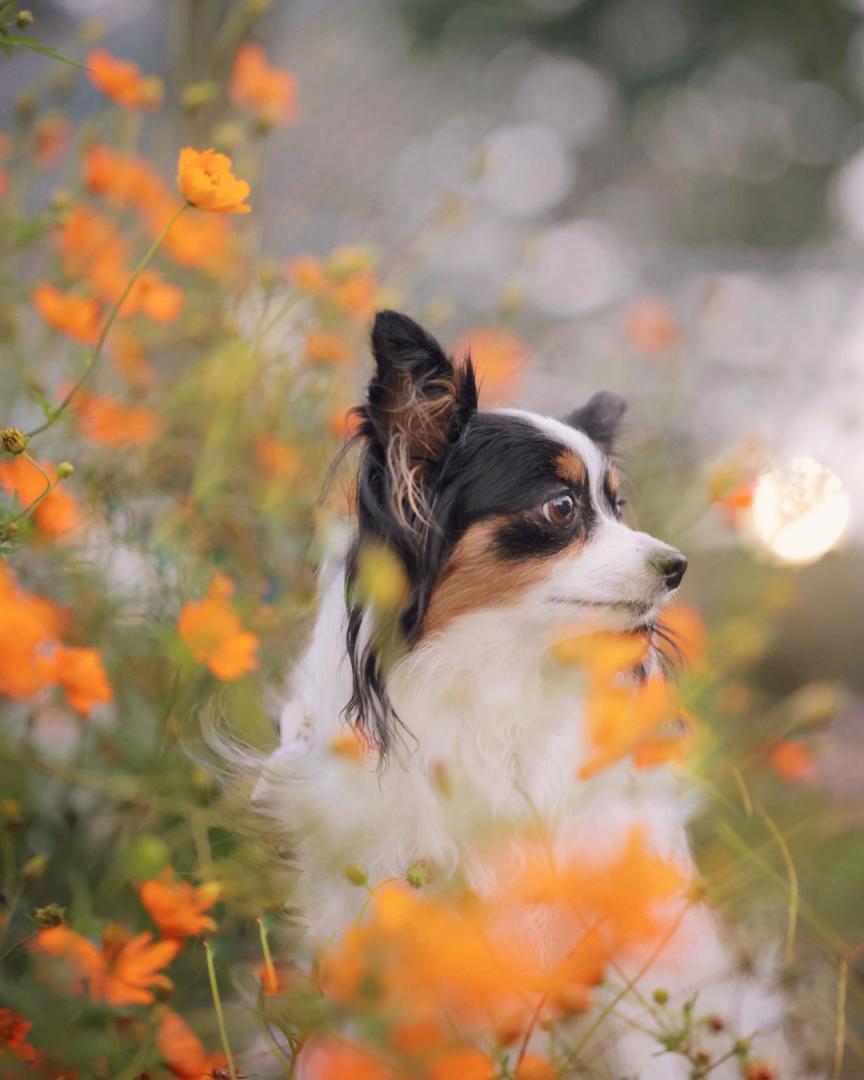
(503, 510)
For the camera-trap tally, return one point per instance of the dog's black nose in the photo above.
(672, 569)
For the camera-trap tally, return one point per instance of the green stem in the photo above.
(217, 1005)
(109, 322)
(28, 510)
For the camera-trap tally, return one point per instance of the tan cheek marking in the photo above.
(614, 480)
(475, 578)
(571, 468)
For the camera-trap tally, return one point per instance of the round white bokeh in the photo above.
(800, 511)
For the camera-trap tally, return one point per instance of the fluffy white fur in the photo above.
(482, 703)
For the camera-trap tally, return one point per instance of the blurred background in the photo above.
(663, 198)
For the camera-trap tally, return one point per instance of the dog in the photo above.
(507, 527)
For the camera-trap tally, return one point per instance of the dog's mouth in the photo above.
(632, 607)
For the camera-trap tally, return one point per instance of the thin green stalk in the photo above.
(217, 1005)
(268, 956)
(840, 1025)
(109, 322)
(792, 878)
(28, 510)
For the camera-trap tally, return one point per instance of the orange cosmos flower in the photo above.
(82, 677)
(215, 634)
(130, 361)
(279, 459)
(78, 316)
(206, 181)
(602, 653)
(14, 1029)
(499, 358)
(535, 1067)
(352, 745)
(671, 745)
(123, 971)
(107, 421)
(86, 238)
(58, 513)
(322, 347)
(29, 627)
(329, 1058)
(792, 762)
(651, 326)
(307, 273)
(183, 1052)
(269, 92)
(126, 180)
(620, 718)
(466, 1064)
(122, 81)
(154, 297)
(177, 907)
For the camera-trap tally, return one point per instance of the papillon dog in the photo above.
(508, 528)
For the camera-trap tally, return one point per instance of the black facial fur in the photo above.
(468, 466)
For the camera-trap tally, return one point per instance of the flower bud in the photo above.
(64, 469)
(50, 915)
(661, 996)
(10, 813)
(23, 19)
(356, 875)
(196, 95)
(13, 440)
(34, 868)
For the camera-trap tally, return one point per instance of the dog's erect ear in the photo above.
(417, 400)
(599, 418)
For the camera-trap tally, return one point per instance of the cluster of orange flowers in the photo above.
(214, 634)
(34, 658)
(345, 282)
(128, 969)
(122, 81)
(444, 971)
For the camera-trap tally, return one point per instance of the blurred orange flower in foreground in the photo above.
(686, 627)
(206, 181)
(534, 1067)
(792, 761)
(268, 91)
(78, 316)
(499, 358)
(475, 960)
(183, 1052)
(334, 1059)
(124, 971)
(215, 635)
(177, 907)
(108, 421)
(620, 718)
(122, 81)
(58, 513)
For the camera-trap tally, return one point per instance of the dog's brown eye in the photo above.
(560, 510)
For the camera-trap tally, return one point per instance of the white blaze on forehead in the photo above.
(595, 460)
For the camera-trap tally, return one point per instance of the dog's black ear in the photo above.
(417, 401)
(599, 418)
